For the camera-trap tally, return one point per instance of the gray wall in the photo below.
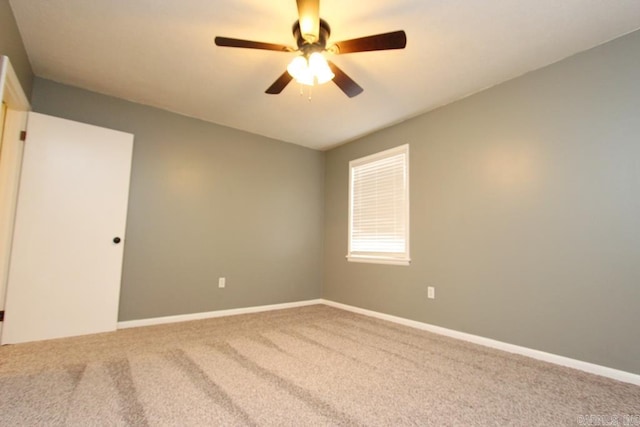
(525, 212)
(11, 45)
(207, 201)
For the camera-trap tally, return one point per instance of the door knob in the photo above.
(116, 240)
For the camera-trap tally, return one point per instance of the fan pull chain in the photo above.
(302, 91)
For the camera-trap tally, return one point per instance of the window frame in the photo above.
(380, 257)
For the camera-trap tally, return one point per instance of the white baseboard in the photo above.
(591, 368)
(211, 314)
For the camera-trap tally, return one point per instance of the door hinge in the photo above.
(23, 135)
(1, 315)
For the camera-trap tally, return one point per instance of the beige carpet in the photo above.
(300, 367)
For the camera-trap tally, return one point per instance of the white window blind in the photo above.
(379, 207)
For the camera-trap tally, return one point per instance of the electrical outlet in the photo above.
(431, 292)
(222, 282)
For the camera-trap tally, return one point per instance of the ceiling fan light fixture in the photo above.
(308, 71)
(299, 70)
(305, 78)
(297, 66)
(320, 68)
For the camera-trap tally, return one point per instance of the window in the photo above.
(379, 207)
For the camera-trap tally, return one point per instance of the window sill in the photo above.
(379, 260)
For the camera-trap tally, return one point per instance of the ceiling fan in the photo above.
(311, 34)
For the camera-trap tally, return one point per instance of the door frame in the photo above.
(12, 94)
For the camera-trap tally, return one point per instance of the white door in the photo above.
(65, 271)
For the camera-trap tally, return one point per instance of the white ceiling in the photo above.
(161, 53)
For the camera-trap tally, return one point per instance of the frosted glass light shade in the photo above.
(299, 70)
(309, 71)
(320, 68)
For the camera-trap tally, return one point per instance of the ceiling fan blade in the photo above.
(248, 44)
(344, 82)
(386, 41)
(309, 19)
(279, 84)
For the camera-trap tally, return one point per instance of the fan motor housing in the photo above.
(306, 47)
